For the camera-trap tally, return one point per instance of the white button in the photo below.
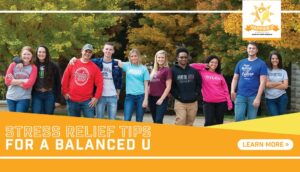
(265, 144)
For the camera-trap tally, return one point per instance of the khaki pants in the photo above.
(185, 112)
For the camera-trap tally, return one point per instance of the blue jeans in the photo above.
(75, 108)
(111, 103)
(43, 102)
(134, 102)
(18, 105)
(157, 111)
(242, 104)
(277, 106)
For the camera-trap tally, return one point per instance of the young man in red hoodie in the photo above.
(78, 84)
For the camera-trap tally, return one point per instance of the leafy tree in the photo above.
(64, 34)
(164, 31)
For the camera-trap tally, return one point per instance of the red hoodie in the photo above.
(79, 80)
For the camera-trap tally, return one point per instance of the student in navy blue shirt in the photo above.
(250, 76)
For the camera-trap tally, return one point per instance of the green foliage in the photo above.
(64, 34)
(3, 88)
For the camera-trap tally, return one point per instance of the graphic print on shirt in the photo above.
(107, 72)
(21, 73)
(215, 78)
(185, 78)
(81, 76)
(135, 72)
(276, 75)
(108, 84)
(42, 72)
(156, 77)
(246, 71)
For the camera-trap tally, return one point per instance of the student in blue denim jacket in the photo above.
(112, 82)
(112, 77)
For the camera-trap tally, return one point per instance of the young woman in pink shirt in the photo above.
(216, 99)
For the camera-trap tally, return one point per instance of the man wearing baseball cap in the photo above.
(78, 84)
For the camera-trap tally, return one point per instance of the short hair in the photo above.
(253, 43)
(182, 49)
(280, 66)
(209, 58)
(109, 43)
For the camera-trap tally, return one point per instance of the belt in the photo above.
(42, 90)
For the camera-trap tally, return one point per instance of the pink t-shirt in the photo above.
(158, 82)
(214, 87)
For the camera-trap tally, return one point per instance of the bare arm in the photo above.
(120, 63)
(118, 93)
(18, 82)
(233, 86)
(165, 93)
(283, 86)
(263, 79)
(145, 102)
(270, 84)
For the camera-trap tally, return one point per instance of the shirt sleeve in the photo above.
(263, 69)
(226, 92)
(146, 74)
(125, 66)
(65, 80)
(198, 66)
(285, 76)
(169, 73)
(9, 74)
(32, 78)
(57, 84)
(98, 83)
(237, 68)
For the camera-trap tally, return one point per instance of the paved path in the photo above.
(168, 119)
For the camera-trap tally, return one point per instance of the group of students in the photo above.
(92, 86)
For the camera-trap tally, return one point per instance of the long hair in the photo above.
(134, 50)
(209, 58)
(280, 66)
(155, 66)
(48, 71)
(28, 48)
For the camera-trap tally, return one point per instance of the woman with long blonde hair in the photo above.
(137, 78)
(160, 86)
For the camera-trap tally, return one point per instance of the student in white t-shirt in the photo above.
(277, 83)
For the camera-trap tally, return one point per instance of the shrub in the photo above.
(3, 88)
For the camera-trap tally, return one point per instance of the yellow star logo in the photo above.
(262, 13)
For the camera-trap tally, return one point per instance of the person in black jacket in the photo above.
(185, 89)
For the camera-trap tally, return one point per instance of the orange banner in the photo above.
(46, 139)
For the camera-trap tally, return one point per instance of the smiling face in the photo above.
(213, 64)
(252, 50)
(161, 59)
(182, 59)
(134, 58)
(41, 54)
(274, 61)
(86, 54)
(108, 50)
(26, 56)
